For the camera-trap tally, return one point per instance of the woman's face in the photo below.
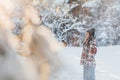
(87, 35)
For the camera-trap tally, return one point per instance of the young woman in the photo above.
(88, 55)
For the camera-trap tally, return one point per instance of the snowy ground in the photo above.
(107, 68)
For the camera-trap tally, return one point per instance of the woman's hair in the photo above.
(91, 35)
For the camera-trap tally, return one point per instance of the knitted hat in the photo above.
(91, 31)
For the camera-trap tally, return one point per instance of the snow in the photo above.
(92, 3)
(59, 1)
(107, 68)
(107, 64)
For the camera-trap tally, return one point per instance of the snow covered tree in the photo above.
(68, 18)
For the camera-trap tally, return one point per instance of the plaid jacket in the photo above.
(88, 54)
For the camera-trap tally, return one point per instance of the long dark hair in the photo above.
(91, 35)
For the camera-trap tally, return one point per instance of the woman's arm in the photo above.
(83, 56)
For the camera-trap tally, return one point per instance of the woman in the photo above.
(88, 55)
